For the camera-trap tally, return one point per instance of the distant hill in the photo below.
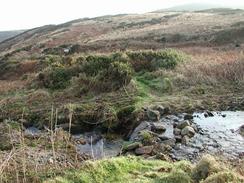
(193, 7)
(8, 34)
(135, 31)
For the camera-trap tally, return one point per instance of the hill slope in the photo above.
(144, 31)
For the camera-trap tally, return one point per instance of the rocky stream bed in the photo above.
(176, 137)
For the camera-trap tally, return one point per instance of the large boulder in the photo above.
(189, 131)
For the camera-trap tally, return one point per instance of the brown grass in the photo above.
(212, 68)
(8, 86)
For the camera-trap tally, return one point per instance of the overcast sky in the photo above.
(23, 14)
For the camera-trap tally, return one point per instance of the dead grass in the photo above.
(7, 86)
(213, 68)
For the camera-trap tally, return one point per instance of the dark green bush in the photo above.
(55, 78)
(117, 75)
(154, 60)
(94, 64)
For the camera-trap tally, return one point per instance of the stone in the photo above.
(153, 115)
(188, 131)
(170, 142)
(160, 148)
(142, 126)
(144, 150)
(163, 137)
(132, 146)
(162, 110)
(178, 138)
(185, 140)
(241, 130)
(177, 131)
(208, 114)
(158, 128)
(188, 117)
(194, 126)
(183, 124)
(32, 133)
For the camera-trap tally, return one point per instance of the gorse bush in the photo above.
(154, 60)
(117, 75)
(55, 78)
(105, 72)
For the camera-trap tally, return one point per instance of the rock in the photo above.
(185, 140)
(142, 126)
(160, 109)
(160, 148)
(178, 138)
(223, 115)
(80, 141)
(153, 115)
(50, 160)
(170, 142)
(177, 131)
(194, 126)
(144, 150)
(188, 131)
(183, 124)
(132, 146)
(188, 117)
(241, 130)
(32, 133)
(166, 110)
(208, 114)
(163, 157)
(163, 137)
(158, 128)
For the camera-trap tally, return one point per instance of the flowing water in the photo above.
(219, 135)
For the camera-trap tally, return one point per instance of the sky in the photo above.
(25, 14)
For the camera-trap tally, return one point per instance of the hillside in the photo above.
(145, 31)
(8, 34)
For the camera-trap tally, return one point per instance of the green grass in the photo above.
(129, 169)
(137, 170)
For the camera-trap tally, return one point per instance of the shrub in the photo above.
(154, 60)
(56, 78)
(94, 64)
(117, 75)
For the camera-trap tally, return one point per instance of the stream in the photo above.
(218, 135)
